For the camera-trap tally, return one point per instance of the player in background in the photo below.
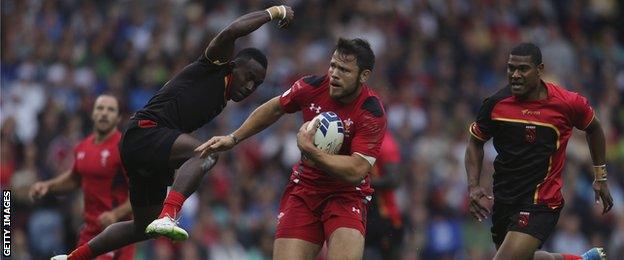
(98, 171)
(384, 226)
(530, 122)
(156, 140)
(326, 198)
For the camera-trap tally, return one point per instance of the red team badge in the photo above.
(530, 133)
(523, 219)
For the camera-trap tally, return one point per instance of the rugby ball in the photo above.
(330, 132)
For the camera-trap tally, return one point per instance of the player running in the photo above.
(156, 141)
(326, 198)
(530, 122)
(98, 171)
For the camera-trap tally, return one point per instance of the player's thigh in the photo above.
(345, 243)
(183, 148)
(292, 248)
(518, 245)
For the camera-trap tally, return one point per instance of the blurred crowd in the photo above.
(435, 63)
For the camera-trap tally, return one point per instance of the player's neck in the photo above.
(539, 93)
(101, 137)
(353, 96)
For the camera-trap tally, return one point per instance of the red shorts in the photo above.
(125, 253)
(313, 217)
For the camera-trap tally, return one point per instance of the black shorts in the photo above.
(381, 232)
(144, 149)
(538, 221)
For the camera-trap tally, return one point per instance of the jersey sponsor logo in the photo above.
(104, 154)
(530, 133)
(315, 108)
(523, 219)
(528, 112)
(80, 155)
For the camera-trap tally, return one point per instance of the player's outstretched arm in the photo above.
(596, 142)
(349, 168)
(261, 118)
(474, 163)
(221, 47)
(115, 214)
(65, 182)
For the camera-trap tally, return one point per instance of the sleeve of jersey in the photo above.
(368, 137)
(480, 129)
(582, 112)
(293, 97)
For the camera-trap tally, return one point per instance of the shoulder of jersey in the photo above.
(314, 81)
(372, 105)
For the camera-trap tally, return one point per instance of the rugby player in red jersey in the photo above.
(327, 196)
(99, 172)
(530, 122)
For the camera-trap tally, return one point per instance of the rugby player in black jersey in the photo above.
(530, 122)
(156, 140)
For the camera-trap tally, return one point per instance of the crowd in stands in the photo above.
(435, 63)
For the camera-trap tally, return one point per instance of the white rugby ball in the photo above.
(330, 132)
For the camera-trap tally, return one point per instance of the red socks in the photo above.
(83, 252)
(571, 257)
(172, 204)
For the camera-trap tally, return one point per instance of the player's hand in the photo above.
(107, 218)
(38, 190)
(290, 14)
(305, 136)
(601, 191)
(478, 203)
(215, 144)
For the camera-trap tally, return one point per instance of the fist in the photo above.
(38, 190)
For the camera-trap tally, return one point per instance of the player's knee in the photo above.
(209, 162)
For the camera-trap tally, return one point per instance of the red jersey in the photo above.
(386, 202)
(531, 138)
(103, 179)
(364, 122)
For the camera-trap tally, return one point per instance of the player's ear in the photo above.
(540, 69)
(364, 75)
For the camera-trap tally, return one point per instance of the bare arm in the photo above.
(261, 118)
(221, 47)
(65, 182)
(474, 163)
(115, 214)
(349, 168)
(596, 142)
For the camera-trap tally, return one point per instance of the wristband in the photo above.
(234, 138)
(277, 12)
(600, 172)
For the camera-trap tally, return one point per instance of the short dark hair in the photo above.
(253, 53)
(528, 49)
(360, 49)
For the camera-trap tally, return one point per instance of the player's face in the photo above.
(247, 75)
(105, 114)
(523, 75)
(344, 75)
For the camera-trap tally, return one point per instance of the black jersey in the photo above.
(192, 98)
(530, 138)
